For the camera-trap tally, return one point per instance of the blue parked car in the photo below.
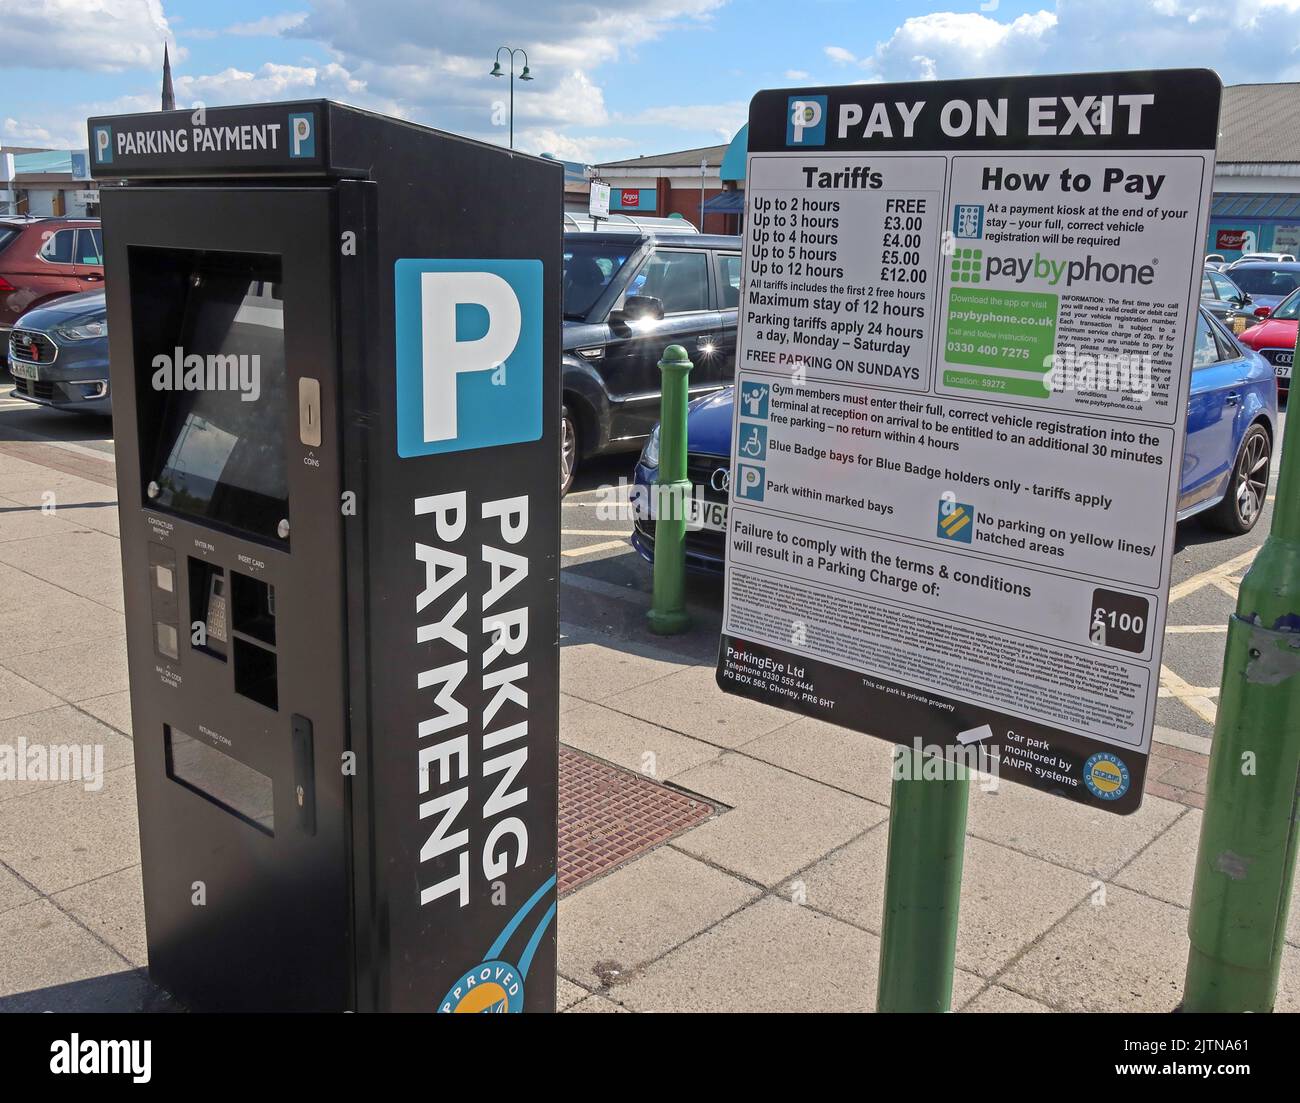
(1231, 427)
(58, 354)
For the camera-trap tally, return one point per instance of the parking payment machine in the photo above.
(335, 376)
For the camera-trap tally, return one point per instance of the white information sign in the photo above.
(964, 351)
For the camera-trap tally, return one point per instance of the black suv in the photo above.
(627, 296)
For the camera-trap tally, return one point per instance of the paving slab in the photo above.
(86, 563)
(76, 671)
(114, 709)
(1063, 832)
(597, 1005)
(18, 696)
(1129, 954)
(633, 744)
(22, 522)
(772, 956)
(1008, 898)
(13, 891)
(567, 994)
(998, 1000)
(63, 726)
(59, 837)
(849, 760)
(113, 908)
(639, 912)
(778, 823)
(34, 615)
(594, 668)
(690, 702)
(44, 949)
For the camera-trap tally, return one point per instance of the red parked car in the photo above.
(42, 259)
(1274, 339)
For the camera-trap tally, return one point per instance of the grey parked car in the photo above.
(58, 355)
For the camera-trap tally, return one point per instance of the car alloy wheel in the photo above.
(1252, 477)
(568, 450)
(1244, 501)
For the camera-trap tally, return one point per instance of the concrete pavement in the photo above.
(774, 904)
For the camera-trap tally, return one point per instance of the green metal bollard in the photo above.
(927, 838)
(668, 615)
(1245, 863)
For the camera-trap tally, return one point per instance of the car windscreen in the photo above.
(589, 266)
(1266, 281)
(1289, 307)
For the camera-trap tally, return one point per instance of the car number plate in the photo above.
(23, 371)
(1283, 371)
(712, 516)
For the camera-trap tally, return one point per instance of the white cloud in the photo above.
(1244, 40)
(104, 35)
(796, 74)
(840, 55)
(19, 132)
(269, 25)
(722, 119)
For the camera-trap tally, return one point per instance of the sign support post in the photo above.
(668, 615)
(1246, 861)
(927, 836)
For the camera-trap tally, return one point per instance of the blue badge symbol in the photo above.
(753, 442)
(469, 354)
(805, 121)
(302, 135)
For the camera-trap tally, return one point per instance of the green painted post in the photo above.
(1245, 863)
(668, 615)
(927, 837)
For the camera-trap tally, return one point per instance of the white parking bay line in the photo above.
(591, 532)
(589, 549)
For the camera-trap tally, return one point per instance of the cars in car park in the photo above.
(1275, 258)
(1215, 260)
(1266, 282)
(1275, 339)
(44, 258)
(58, 354)
(1226, 301)
(627, 296)
(1231, 426)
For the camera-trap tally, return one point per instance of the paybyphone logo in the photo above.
(469, 354)
(805, 121)
(102, 136)
(302, 135)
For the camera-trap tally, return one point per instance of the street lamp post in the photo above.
(496, 72)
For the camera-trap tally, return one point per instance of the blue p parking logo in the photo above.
(302, 135)
(103, 139)
(805, 121)
(469, 354)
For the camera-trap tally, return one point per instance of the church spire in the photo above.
(168, 96)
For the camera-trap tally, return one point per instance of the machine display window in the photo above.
(210, 356)
(220, 778)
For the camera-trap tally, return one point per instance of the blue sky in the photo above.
(613, 80)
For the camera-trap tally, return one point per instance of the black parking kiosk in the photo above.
(335, 377)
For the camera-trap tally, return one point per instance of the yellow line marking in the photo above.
(588, 549)
(1205, 578)
(1196, 698)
